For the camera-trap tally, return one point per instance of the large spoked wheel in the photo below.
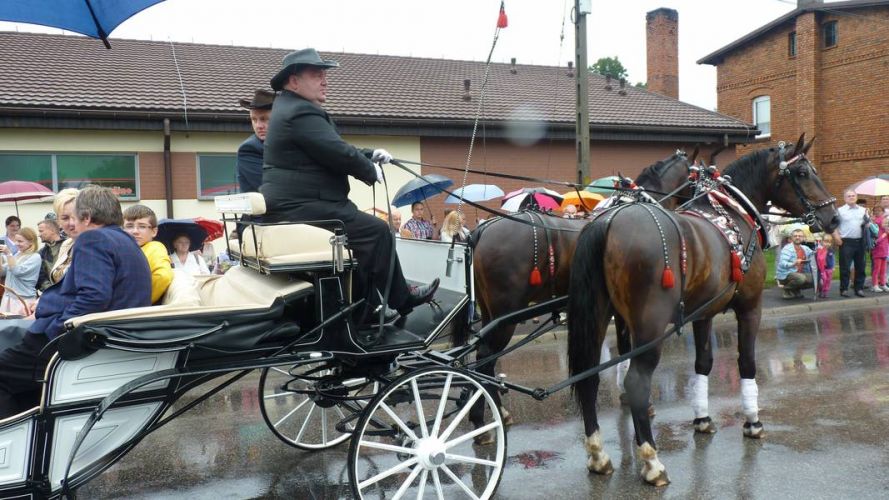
(417, 434)
(310, 406)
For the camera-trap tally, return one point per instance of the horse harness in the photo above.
(785, 172)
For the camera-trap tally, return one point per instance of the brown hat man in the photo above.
(262, 99)
(250, 152)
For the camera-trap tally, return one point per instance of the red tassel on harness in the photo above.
(501, 19)
(737, 274)
(535, 279)
(667, 280)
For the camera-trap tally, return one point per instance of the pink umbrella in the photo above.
(873, 186)
(17, 191)
(546, 199)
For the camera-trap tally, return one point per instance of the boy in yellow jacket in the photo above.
(141, 223)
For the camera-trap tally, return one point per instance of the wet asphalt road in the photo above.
(824, 398)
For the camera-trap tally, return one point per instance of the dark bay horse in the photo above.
(504, 258)
(619, 268)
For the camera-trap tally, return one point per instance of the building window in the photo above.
(762, 115)
(59, 171)
(217, 175)
(829, 34)
(791, 44)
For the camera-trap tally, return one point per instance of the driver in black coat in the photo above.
(305, 177)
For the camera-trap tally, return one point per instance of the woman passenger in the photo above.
(63, 204)
(185, 260)
(22, 269)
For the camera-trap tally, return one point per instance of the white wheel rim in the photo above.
(434, 456)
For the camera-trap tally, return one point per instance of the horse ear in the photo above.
(798, 149)
(807, 146)
(694, 154)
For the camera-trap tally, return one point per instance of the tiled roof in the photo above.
(76, 73)
(716, 57)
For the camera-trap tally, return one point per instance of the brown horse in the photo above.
(504, 258)
(620, 268)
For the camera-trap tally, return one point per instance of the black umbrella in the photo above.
(420, 188)
(170, 229)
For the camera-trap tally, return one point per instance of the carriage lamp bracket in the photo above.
(338, 242)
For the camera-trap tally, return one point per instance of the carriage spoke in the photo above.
(421, 487)
(282, 372)
(441, 405)
(302, 428)
(400, 423)
(278, 395)
(291, 412)
(407, 482)
(461, 415)
(472, 434)
(418, 402)
(323, 426)
(460, 483)
(388, 447)
(383, 475)
(437, 482)
(470, 460)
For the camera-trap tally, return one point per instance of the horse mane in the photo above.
(651, 175)
(748, 171)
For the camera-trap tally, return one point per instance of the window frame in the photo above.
(54, 166)
(834, 28)
(791, 44)
(198, 195)
(757, 100)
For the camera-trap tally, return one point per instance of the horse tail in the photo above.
(589, 304)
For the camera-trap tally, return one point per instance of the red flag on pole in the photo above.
(501, 20)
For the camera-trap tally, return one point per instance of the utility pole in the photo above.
(581, 9)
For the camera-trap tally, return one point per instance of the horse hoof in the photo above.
(754, 430)
(659, 480)
(506, 418)
(484, 439)
(704, 425)
(601, 467)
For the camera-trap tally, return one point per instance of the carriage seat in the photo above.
(284, 247)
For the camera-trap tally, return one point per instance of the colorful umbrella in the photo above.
(420, 188)
(519, 199)
(604, 185)
(873, 186)
(475, 192)
(17, 191)
(93, 18)
(586, 201)
(170, 229)
(213, 227)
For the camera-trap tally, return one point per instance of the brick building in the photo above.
(821, 69)
(160, 121)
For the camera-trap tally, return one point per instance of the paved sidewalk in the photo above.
(773, 304)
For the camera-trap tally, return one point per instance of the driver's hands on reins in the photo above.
(379, 172)
(381, 156)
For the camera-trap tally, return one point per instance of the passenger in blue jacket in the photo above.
(108, 271)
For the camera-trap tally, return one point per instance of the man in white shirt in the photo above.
(849, 238)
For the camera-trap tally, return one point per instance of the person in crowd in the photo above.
(570, 212)
(879, 254)
(141, 223)
(250, 152)
(306, 177)
(13, 224)
(453, 229)
(824, 258)
(849, 238)
(183, 259)
(51, 236)
(107, 272)
(794, 270)
(419, 227)
(63, 205)
(22, 270)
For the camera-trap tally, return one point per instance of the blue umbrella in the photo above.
(475, 192)
(170, 229)
(93, 18)
(420, 188)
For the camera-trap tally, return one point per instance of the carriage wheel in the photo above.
(309, 407)
(417, 434)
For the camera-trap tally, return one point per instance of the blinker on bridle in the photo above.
(784, 171)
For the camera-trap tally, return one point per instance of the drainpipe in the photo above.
(168, 169)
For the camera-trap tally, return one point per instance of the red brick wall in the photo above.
(555, 161)
(662, 51)
(837, 94)
(151, 176)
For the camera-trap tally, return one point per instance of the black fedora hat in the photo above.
(304, 57)
(262, 99)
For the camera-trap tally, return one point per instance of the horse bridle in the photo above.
(784, 171)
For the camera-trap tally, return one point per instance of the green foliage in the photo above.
(641, 85)
(609, 66)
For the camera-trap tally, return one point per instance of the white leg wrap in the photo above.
(598, 461)
(622, 368)
(750, 399)
(653, 471)
(700, 396)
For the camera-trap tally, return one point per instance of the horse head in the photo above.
(664, 176)
(798, 189)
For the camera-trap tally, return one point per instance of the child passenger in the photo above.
(141, 223)
(824, 257)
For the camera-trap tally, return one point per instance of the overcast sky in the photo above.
(459, 29)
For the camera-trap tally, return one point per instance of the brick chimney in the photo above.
(662, 44)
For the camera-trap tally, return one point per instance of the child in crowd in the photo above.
(824, 257)
(879, 255)
(141, 223)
